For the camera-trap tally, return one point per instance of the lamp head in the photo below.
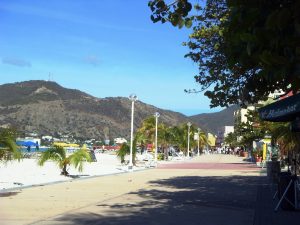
(133, 97)
(156, 114)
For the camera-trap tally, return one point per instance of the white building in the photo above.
(47, 137)
(222, 134)
(240, 115)
(120, 140)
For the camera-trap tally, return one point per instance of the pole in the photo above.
(131, 137)
(188, 147)
(198, 141)
(156, 119)
(133, 98)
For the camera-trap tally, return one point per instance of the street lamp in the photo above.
(198, 140)
(133, 98)
(188, 147)
(156, 115)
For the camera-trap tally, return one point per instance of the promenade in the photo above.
(209, 190)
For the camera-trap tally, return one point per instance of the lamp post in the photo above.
(133, 98)
(188, 143)
(198, 140)
(156, 115)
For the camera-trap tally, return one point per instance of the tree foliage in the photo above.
(8, 148)
(123, 151)
(231, 139)
(255, 129)
(175, 13)
(244, 49)
(169, 135)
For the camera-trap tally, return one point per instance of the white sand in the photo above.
(14, 174)
(26, 172)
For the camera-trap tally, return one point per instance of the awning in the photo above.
(26, 143)
(284, 110)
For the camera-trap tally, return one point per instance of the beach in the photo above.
(175, 192)
(24, 173)
(27, 173)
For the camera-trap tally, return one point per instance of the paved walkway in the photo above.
(215, 190)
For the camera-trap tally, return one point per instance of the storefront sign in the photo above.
(281, 111)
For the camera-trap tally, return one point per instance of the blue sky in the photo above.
(106, 48)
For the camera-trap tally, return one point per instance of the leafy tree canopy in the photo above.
(244, 49)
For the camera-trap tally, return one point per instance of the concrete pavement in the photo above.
(166, 195)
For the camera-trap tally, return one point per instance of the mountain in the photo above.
(47, 108)
(212, 122)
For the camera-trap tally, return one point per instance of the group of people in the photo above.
(224, 150)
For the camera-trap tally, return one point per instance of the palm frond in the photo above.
(77, 158)
(9, 149)
(123, 151)
(57, 154)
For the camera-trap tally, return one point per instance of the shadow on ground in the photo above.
(9, 194)
(179, 200)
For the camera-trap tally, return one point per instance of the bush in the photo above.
(160, 156)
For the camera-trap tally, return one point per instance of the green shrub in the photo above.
(160, 156)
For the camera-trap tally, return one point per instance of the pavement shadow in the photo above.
(178, 200)
(265, 214)
(8, 194)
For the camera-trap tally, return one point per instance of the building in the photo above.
(222, 134)
(47, 138)
(211, 140)
(240, 115)
(119, 141)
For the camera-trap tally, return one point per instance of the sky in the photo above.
(106, 48)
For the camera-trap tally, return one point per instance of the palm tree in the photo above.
(203, 141)
(165, 138)
(125, 148)
(147, 129)
(182, 137)
(59, 155)
(8, 148)
(123, 151)
(139, 140)
(146, 133)
(282, 134)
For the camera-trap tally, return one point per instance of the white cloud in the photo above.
(16, 62)
(92, 59)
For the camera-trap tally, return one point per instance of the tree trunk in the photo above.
(166, 153)
(64, 171)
